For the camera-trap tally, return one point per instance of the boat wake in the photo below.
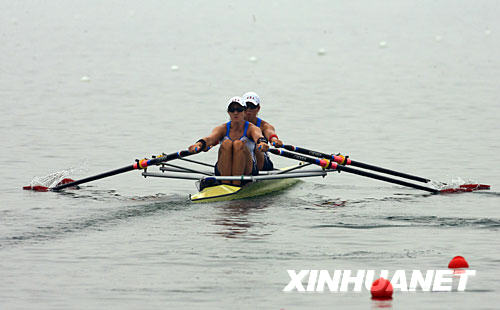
(96, 221)
(112, 195)
(364, 222)
(437, 221)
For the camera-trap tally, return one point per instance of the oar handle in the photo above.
(140, 164)
(338, 159)
(351, 162)
(328, 164)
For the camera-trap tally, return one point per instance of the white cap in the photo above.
(251, 97)
(236, 99)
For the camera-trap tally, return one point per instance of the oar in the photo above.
(330, 164)
(347, 161)
(343, 160)
(140, 164)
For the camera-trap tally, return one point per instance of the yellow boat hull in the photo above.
(228, 192)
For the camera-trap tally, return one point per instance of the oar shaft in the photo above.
(389, 171)
(355, 163)
(333, 165)
(142, 164)
(93, 178)
(386, 179)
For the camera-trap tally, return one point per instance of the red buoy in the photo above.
(458, 262)
(381, 289)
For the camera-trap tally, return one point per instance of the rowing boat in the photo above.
(211, 189)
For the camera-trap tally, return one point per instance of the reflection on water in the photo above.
(337, 202)
(381, 304)
(238, 219)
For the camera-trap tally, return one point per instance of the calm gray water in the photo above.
(409, 85)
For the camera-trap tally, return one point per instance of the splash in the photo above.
(52, 179)
(459, 185)
(45, 183)
(454, 183)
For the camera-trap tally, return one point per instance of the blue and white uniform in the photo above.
(249, 143)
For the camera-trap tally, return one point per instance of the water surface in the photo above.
(407, 85)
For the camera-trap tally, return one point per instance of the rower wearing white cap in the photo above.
(239, 139)
(252, 103)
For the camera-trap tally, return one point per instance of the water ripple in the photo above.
(95, 222)
(419, 221)
(447, 221)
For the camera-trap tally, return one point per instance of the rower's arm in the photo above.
(270, 134)
(210, 140)
(258, 137)
(216, 135)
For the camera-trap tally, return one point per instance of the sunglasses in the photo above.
(233, 109)
(251, 106)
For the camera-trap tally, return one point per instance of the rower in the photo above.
(239, 139)
(252, 103)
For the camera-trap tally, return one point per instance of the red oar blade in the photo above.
(36, 188)
(475, 186)
(65, 181)
(41, 188)
(466, 188)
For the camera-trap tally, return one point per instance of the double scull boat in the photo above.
(213, 188)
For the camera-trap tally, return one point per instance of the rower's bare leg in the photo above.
(260, 159)
(242, 160)
(225, 161)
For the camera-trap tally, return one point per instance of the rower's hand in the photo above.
(195, 148)
(276, 142)
(263, 147)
